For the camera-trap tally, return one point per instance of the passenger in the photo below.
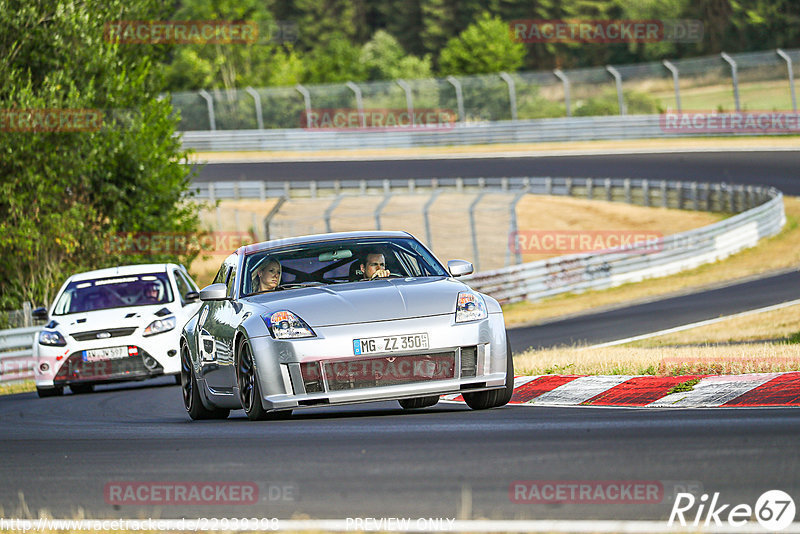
(267, 276)
(374, 266)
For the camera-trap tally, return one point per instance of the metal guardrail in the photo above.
(669, 255)
(520, 131)
(16, 353)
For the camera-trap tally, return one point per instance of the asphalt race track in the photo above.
(376, 461)
(780, 169)
(662, 314)
(61, 454)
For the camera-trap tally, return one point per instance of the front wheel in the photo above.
(419, 402)
(80, 389)
(191, 395)
(49, 392)
(250, 391)
(482, 400)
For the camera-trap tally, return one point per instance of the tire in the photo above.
(191, 396)
(419, 402)
(50, 392)
(482, 400)
(250, 391)
(81, 389)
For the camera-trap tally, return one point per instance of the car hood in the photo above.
(111, 318)
(360, 302)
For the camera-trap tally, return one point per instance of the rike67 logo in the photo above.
(774, 510)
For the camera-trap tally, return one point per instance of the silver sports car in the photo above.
(338, 319)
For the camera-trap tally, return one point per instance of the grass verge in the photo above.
(17, 387)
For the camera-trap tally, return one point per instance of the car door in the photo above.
(221, 326)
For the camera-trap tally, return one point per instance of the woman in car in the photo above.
(267, 276)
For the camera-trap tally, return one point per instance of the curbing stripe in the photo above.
(713, 391)
(782, 390)
(639, 391)
(539, 386)
(579, 390)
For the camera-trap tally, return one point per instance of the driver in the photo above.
(267, 276)
(374, 265)
(151, 293)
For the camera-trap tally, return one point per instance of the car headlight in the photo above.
(470, 307)
(159, 326)
(51, 338)
(286, 325)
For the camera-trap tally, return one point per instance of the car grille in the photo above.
(93, 334)
(379, 371)
(138, 364)
(469, 361)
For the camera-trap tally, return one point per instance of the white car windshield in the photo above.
(114, 292)
(333, 262)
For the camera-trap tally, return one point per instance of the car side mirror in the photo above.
(40, 313)
(459, 267)
(214, 292)
(191, 296)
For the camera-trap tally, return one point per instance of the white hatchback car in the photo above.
(112, 325)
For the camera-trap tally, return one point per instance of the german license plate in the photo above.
(112, 353)
(372, 345)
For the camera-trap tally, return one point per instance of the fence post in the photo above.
(329, 211)
(790, 70)
(257, 98)
(306, 102)
(272, 213)
(646, 193)
(512, 231)
(459, 97)
(474, 230)
(262, 191)
(212, 121)
(589, 186)
(695, 198)
(512, 94)
(548, 186)
(565, 81)
(627, 185)
(734, 77)
(618, 80)
(425, 211)
(675, 80)
(607, 184)
(211, 193)
(409, 98)
(568, 186)
(379, 209)
(359, 103)
(664, 199)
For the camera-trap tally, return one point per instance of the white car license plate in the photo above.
(112, 353)
(372, 345)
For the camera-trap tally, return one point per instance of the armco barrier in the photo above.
(686, 250)
(519, 131)
(16, 353)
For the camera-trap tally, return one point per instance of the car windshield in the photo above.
(334, 262)
(114, 292)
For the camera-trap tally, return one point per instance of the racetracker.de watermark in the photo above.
(581, 241)
(378, 118)
(50, 120)
(180, 493)
(177, 243)
(606, 31)
(743, 122)
(202, 32)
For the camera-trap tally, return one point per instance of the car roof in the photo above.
(317, 238)
(124, 270)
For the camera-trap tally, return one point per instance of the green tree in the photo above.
(65, 194)
(336, 61)
(385, 59)
(483, 47)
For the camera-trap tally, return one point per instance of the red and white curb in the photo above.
(758, 389)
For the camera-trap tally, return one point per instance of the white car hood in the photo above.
(139, 316)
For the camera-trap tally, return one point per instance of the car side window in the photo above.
(220, 278)
(184, 286)
(231, 281)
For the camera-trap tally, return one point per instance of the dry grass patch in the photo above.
(766, 326)
(17, 387)
(778, 252)
(735, 359)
